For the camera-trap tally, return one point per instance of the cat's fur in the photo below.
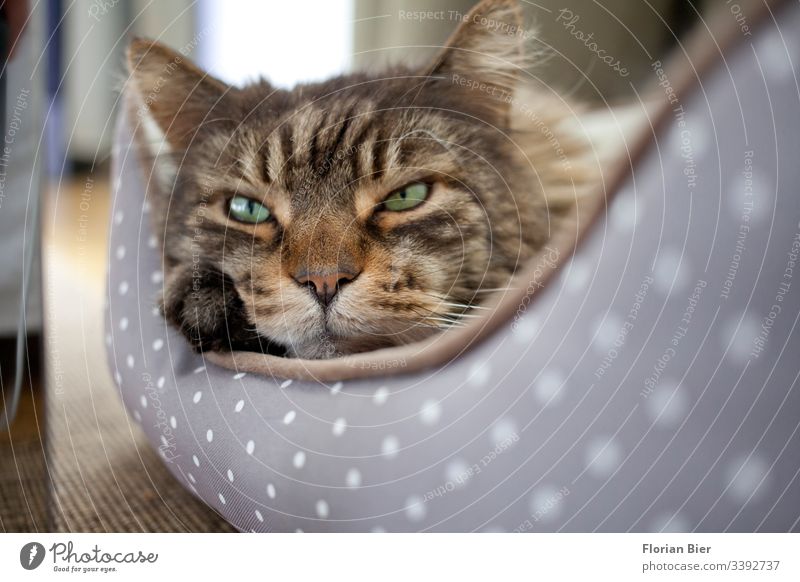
(323, 157)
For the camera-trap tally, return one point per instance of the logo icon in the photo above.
(31, 555)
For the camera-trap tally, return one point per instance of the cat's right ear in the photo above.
(174, 92)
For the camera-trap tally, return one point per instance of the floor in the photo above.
(87, 467)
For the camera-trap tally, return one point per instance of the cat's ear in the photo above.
(174, 92)
(485, 53)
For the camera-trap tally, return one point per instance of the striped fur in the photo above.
(323, 157)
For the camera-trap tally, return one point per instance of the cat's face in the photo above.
(363, 212)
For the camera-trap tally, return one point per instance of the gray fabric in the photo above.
(617, 401)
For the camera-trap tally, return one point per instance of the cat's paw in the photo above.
(208, 311)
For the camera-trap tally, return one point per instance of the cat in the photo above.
(365, 211)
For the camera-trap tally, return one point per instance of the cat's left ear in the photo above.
(485, 54)
(176, 94)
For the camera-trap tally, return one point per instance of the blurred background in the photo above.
(71, 461)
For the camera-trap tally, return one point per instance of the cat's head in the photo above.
(351, 214)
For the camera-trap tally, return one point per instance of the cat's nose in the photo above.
(326, 284)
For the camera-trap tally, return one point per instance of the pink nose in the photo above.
(325, 284)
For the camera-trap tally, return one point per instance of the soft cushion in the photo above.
(652, 385)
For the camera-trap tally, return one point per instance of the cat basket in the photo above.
(646, 381)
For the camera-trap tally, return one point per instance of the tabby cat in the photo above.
(361, 212)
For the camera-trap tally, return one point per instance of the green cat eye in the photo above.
(407, 197)
(248, 210)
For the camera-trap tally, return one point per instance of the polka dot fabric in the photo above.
(651, 386)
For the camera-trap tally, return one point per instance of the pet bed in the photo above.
(650, 385)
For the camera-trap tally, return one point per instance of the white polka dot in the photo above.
(120, 253)
(353, 478)
(668, 522)
(155, 312)
(123, 324)
(603, 456)
(549, 387)
(199, 369)
(526, 329)
(209, 435)
(123, 288)
(390, 446)
(173, 422)
(545, 503)
(339, 426)
(118, 377)
(747, 478)
(415, 508)
(137, 416)
(239, 376)
(230, 475)
(143, 401)
(299, 460)
(158, 344)
(667, 404)
(606, 331)
(250, 447)
(740, 331)
(774, 57)
(431, 412)
(160, 382)
(191, 478)
(286, 383)
(222, 499)
(146, 207)
(152, 242)
(156, 277)
(504, 432)
(670, 271)
(270, 490)
(381, 396)
(165, 442)
(289, 417)
(197, 397)
(259, 517)
(457, 472)
(118, 216)
(322, 509)
(336, 388)
(195, 460)
(625, 213)
(479, 374)
(577, 276)
(129, 361)
(239, 406)
(378, 529)
(108, 339)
